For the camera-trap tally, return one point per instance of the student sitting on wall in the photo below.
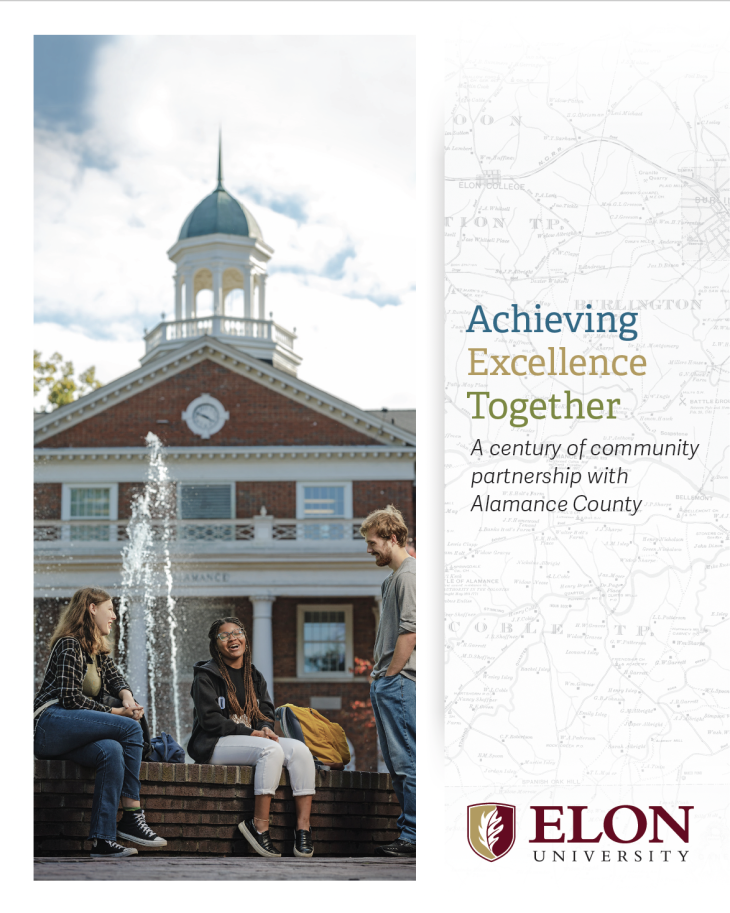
(234, 724)
(72, 724)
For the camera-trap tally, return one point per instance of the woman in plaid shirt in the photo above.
(72, 724)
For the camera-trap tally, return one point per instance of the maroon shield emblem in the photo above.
(490, 829)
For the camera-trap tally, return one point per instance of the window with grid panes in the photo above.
(324, 636)
(86, 504)
(324, 502)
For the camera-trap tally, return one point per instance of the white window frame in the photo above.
(66, 489)
(317, 484)
(349, 656)
(232, 486)
(113, 498)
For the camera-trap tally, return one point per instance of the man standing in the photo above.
(393, 690)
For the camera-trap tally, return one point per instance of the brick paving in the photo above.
(187, 868)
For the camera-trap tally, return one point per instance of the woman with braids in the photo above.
(234, 724)
(72, 723)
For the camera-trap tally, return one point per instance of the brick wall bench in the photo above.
(197, 807)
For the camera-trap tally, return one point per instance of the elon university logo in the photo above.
(491, 829)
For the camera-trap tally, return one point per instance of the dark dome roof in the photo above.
(220, 213)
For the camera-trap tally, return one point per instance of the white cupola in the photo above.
(221, 248)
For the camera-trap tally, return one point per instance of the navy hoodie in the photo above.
(211, 721)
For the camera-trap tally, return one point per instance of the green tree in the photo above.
(57, 376)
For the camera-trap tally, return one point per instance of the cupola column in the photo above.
(217, 270)
(189, 295)
(178, 296)
(262, 296)
(247, 291)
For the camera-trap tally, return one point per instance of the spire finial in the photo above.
(220, 160)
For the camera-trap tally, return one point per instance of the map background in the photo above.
(617, 691)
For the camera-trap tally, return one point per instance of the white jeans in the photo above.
(269, 757)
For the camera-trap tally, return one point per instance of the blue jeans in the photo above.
(394, 705)
(109, 742)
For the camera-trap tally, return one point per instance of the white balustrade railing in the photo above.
(283, 336)
(298, 530)
(259, 530)
(217, 325)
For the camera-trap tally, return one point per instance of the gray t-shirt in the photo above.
(397, 616)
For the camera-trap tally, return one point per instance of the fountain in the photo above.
(147, 606)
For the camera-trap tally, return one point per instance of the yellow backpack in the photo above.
(326, 740)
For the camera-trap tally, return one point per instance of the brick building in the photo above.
(272, 477)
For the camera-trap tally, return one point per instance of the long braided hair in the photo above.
(250, 705)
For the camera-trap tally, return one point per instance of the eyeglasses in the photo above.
(228, 634)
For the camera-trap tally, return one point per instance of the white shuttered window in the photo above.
(206, 502)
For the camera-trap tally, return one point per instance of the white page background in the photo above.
(585, 652)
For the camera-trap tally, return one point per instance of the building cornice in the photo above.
(208, 348)
(328, 564)
(53, 454)
(208, 243)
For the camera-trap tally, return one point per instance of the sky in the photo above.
(319, 144)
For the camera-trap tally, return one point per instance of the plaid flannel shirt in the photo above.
(64, 679)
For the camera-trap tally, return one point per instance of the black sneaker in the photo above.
(261, 843)
(108, 849)
(400, 848)
(303, 845)
(134, 828)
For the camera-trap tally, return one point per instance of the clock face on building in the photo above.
(205, 416)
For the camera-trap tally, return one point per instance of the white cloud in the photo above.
(352, 348)
(327, 121)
